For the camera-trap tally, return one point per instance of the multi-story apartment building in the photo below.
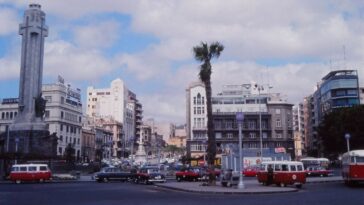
(117, 102)
(337, 89)
(63, 115)
(252, 100)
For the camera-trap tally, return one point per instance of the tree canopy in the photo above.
(336, 124)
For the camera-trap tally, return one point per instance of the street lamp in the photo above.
(16, 149)
(239, 119)
(347, 137)
(260, 87)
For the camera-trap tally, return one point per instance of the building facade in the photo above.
(256, 103)
(299, 129)
(337, 89)
(63, 114)
(117, 102)
(88, 145)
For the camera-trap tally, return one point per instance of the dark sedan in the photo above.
(318, 171)
(111, 173)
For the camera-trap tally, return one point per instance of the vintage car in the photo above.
(111, 173)
(318, 171)
(149, 175)
(251, 171)
(191, 174)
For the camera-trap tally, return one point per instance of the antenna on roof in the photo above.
(344, 52)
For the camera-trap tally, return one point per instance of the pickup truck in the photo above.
(110, 173)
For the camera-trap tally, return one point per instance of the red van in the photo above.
(284, 173)
(30, 172)
(353, 167)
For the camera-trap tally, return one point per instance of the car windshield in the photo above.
(154, 170)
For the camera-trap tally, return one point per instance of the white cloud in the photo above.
(9, 67)
(73, 63)
(8, 18)
(97, 35)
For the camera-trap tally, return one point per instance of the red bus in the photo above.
(30, 172)
(353, 167)
(284, 173)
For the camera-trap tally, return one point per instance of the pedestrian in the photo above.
(270, 175)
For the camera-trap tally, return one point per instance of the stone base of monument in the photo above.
(31, 144)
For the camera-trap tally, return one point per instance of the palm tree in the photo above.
(204, 53)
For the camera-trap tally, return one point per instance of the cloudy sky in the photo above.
(148, 43)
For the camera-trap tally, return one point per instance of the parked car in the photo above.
(318, 171)
(191, 174)
(149, 175)
(111, 173)
(251, 171)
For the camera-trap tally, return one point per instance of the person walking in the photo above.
(270, 175)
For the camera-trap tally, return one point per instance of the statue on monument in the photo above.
(40, 105)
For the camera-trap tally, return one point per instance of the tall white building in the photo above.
(113, 102)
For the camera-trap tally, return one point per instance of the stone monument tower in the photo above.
(29, 133)
(31, 105)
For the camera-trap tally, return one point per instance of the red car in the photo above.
(250, 171)
(192, 174)
(318, 171)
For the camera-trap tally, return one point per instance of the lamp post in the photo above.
(347, 137)
(16, 149)
(260, 87)
(239, 119)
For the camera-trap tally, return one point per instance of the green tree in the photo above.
(204, 54)
(336, 124)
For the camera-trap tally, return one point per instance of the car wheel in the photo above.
(41, 180)
(194, 179)
(18, 181)
(282, 184)
(179, 179)
(105, 180)
(299, 186)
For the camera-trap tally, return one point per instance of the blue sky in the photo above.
(148, 44)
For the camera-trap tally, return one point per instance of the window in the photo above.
(48, 99)
(251, 124)
(15, 169)
(299, 168)
(194, 100)
(284, 167)
(61, 138)
(43, 168)
(277, 167)
(32, 169)
(3, 115)
(78, 141)
(278, 123)
(278, 111)
(66, 140)
(62, 115)
(230, 135)
(279, 135)
(252, 135)
(62, 100)
(46, 115)
(23, 169)
(293, 168)
(203, 100)
(60, 150)
(61, 128)
(198, 110)
(264, 135)
(203, 110)
(67, 128)
(194, 110)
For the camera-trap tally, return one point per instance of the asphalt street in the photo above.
(132, 194)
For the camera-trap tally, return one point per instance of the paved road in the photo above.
(132, 194)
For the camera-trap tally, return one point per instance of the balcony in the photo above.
(199, 128)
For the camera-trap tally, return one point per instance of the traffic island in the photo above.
(250, 188)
